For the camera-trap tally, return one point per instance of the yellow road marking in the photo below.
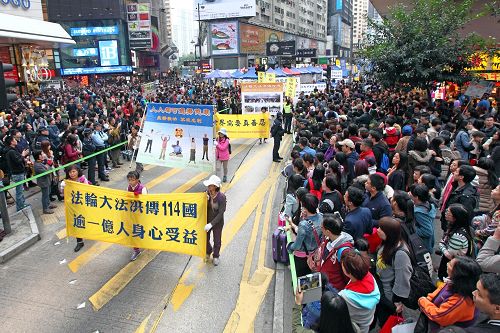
(142, 328)
(149, 167)
(158, 180)
(61, 233)
(89, 254)
(253, 291)
(251, 243)
(116, 284)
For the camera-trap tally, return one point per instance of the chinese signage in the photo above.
(254, 96)
(478, 89)
(96, 70)
(178, 136)
(86, 52)
(108, 49)
(94, 31)
(224, 38)
(263, 77)
(139, 25)
(495, 76)
(291, 87)
(306, 53)
(221, 9)
(243, 125)
(165, 222)
(280, 48)
(253, 39)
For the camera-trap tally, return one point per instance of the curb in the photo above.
(279, 296)
(26, 242)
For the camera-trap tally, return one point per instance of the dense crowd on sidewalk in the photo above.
(376, 176)
(49, 128)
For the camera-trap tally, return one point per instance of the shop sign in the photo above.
(280, 48)
(24, 4)
(306, 53)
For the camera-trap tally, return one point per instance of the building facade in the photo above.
(340, 18)
(363, 10)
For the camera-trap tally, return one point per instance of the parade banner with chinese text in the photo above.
(254, 96)
(244, 125)
(165, 222)
(175, 135)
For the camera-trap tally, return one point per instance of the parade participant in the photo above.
(222, 153)
(288, 115)
(135, 185)
(215, 217)
(75, 174)
(265, 114)
(277, 134)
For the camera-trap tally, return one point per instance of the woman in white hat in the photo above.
(215, 216)
(222, 153)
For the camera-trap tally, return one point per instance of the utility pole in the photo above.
(199, 34)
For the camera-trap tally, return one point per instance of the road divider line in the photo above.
(251, 243)
(89, 254)
(265, 228)
(158, 180)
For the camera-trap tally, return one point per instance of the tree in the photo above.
(418, 45)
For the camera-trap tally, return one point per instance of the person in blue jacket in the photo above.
(462, 141)
(376, 200)
(358, 220)
(424, 214)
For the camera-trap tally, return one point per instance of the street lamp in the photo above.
(198, 6)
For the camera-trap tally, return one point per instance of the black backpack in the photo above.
(418, 252)
(420, 282)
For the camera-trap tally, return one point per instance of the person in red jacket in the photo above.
(366, 149)
(71, 152)
(334, 244)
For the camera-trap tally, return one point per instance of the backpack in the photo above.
(312, 190)
(420, 254)
(384, 163)
(420, 282)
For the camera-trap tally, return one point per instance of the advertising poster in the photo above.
(177, 136)
(256, 95)
(280, 48)
(222, 9)
(224, 38)
(253, 39)
(139, 25)
(308, 88)
(244, 125)
(108, 50)
(166, 222)
(478, 89)
(5, 58)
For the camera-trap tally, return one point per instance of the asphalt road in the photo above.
(50, 288)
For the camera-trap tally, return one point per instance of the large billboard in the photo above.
(221, 9)
(139, 25)
(253, 39)
(224, 38)
(280, 48)
(108, 50)
(254, 96)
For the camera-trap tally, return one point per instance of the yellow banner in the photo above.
(261, 77)
(271, 77)
(244, 125)
(165, 222)
(291, 87)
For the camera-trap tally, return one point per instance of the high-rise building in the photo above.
(362, 11)
(183, 28)
(339, 28)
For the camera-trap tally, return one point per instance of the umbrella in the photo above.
(291, 71)
(217, 74)
(303, 70)
(270, 71)
(236, 74)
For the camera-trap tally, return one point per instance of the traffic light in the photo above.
(5, 97)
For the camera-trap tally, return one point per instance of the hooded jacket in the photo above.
(485, 201)
(362, 298)
(424, 223)
(330, 252)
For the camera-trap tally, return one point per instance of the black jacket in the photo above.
(277, 130)
(15, 161)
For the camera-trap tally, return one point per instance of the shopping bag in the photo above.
(392, 321)
(404, 328)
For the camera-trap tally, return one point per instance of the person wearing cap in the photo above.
(215, 217)
(43, 135)
(348, 148)
(222, 153)
(277, 132)
(402, 145)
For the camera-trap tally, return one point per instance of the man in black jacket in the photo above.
(16, 166)
(379, 149)
(463, 192)
(277, 133)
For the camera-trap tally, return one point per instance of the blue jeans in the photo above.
(45, 198)
(19, 190)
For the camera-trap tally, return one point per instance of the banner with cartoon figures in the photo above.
(244, 125)
(178, 136)
(256, 95)
(165, 222)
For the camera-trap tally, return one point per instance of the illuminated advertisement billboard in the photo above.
(86, 52)
(108, 51)
(221, 9)
(94, 31)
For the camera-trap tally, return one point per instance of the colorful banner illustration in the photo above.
(254, 96)
(165, 222)
(178, 136)
(244, 125)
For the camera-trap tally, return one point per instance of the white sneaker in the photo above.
(216, 261)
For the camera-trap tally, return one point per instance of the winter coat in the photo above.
(424, 224)
(402, 144)
(489, 256)
(417, 158)
(463, 145)
(222, 149)
(330, 253)
(485, 201)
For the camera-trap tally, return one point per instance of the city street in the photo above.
(49, 288)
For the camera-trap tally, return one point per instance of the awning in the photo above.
(22, 30)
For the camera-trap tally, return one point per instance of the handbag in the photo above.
(314, 258)
(391, 322)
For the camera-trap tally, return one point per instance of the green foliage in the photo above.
(415, 46)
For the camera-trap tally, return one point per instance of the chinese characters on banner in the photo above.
(178, 136)
(165, 222)
(263, 77)
(244, 125)
(254, 96)
(291, 87)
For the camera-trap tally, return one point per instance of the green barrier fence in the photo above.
(292, 260)
(62, 167)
